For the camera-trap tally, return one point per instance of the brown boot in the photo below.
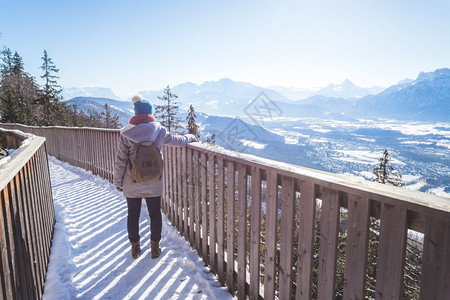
(135, 249)
(156, 251)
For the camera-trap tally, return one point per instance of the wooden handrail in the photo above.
(26, 218)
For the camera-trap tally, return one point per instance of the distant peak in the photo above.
(347, 82)
(426, 76)
(226, 80)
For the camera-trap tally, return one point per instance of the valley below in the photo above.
(419, 151)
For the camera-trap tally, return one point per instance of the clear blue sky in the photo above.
(138, 45)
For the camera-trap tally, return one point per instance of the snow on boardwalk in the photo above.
(91, 257)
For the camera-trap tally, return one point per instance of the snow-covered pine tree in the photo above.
(192, 127)
(168, 112)
(384, 172)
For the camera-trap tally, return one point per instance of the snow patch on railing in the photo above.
(13, 152)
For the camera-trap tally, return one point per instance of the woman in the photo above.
(142, 127)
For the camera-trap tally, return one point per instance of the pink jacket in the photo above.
(130, 135)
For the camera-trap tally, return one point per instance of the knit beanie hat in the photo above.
(142, 106)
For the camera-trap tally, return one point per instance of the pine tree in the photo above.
(109, 120)
(168, 112)
(384, 172)
(211, 139)
(192, 127)
(95, 119)
(18, 90)
(7, 62)
(49, 101)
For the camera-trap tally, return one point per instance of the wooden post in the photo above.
(329, 227)
(198, 240)
(212, 212)
(230, 225)
(204, 208)
(306, 240)
(435, 282)
(391, 252)
(220, 220)
(356, 247)
(255, 232)
(185, 197)
(192, 203)
(271, 235)
(242, 231)
(287, 236)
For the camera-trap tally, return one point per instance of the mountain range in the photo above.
(426, 98)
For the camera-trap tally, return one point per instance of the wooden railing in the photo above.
(270, 229)
(92, 149)
(26, 217)
(261, 215)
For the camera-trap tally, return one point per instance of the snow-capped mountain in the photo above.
(426, 98)
(223, 97)
(345, 90)
(99, 92)
(125, 110)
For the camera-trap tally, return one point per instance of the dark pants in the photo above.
(154, 211)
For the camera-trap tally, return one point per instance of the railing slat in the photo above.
(174, 187)
(179, 180)
(185, 197)
(203, 166)
(287, 236)
(329, 226)
(305, 240)
(220, 220)
(166, 180)
(212, 212)
(271, 235)
(356, 247)
(255, 232)
(391, 255)
(242, 231)
(197, 201)
(230, 225)
(6, 252)
(190, 192)
(436, 263)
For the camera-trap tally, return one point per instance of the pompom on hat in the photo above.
(142, 106)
